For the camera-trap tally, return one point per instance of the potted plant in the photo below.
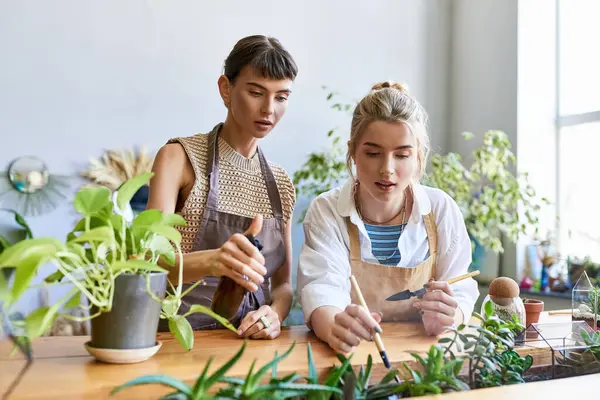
(114, 264)
(488, 193)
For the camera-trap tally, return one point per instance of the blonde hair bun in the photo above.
(391, 84)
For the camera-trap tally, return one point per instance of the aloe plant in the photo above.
(287, 387)
(102, 246)
(201, 389)
(359, 386)
(333, 379)
(251, 387)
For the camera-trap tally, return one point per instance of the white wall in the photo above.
(79, 77)
(483, 89)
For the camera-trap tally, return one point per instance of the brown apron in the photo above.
(377, 282)
(217, 227)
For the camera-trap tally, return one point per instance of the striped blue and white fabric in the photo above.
(384, 242)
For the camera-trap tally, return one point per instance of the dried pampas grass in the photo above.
(116, 166)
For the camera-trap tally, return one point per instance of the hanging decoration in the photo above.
(30, 189)
(116, 166)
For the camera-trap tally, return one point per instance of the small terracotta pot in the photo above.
(533, 308)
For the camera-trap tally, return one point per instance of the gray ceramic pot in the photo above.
(133, 321)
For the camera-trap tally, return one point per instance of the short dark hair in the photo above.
(265, 54)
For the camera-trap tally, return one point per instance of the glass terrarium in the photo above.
(584, 303)
(560, 350)
(506, 307)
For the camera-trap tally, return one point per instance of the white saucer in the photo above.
(118, 356)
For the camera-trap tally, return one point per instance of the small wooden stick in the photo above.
(462, 277)
(560, 312)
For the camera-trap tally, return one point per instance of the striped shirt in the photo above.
(384, 242)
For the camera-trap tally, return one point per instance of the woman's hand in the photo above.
(254, 327)
(438, 307)
(240, 260)
(351, 326)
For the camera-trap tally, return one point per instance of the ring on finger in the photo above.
(265, 322)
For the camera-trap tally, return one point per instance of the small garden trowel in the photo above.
(407, 294)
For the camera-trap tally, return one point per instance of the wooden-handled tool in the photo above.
(376, 337)
(407, 294)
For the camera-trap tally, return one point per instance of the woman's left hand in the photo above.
(438, 307)
(254, 327)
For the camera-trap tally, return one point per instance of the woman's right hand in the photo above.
(351, 326)
(238, 258)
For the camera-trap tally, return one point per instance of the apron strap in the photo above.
(271, 183)
(212, 171)
(432, 236)
(354, 241)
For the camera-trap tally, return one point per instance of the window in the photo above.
(578, 127)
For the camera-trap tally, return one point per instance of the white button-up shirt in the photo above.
(324, 264)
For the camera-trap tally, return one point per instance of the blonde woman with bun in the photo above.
(387, 230)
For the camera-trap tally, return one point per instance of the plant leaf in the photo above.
(145, 219)
(156, 379)
(182, 330)
(161, 245)
(174, 220)
(35, 322)
(26, 248)
(3, 244)
(268, 366)
(100, 234)
(21, 221)
(336, 374)
(74, 301)
(206, 310)
(95, 222)
(130, 188)
(167, 231)
(489, 309)
(218, 374)
(54, 277)
(91, 201)
(312, 370)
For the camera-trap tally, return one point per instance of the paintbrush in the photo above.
(376, 336)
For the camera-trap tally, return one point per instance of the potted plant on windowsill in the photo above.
(113, 263)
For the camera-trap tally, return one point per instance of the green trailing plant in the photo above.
(488, 193)
(6, 301)
(101, 247)
(27, 234)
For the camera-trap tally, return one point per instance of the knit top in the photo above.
(242, 188)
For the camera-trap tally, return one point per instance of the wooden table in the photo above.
(63, 368)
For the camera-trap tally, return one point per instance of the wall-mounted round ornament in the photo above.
(30, 189)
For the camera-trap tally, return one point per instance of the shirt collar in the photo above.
(347, 208)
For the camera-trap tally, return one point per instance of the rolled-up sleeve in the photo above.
(323, 265)
(454, 248)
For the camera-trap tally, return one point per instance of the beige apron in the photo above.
(377, 282)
